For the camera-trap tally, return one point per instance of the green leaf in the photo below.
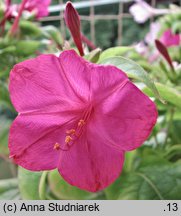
(176, 27)
(153, 182)
(112, 192)
(42, 186)
(133, 70)
(7, 184)
(4, 131)
(62, 190)
(53, 33)
(29, 28)
(27, 47)
(12, 194)
(9, 189)
(115, 51)
(9, 49)
(175, 131)
(29, 183)
(4, 96)
(94, 55)
(169, 94)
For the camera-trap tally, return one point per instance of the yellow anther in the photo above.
(81, 122)
(56, 146)
(68, 139)
(70, 132)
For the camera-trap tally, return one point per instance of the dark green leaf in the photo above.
(153, 182)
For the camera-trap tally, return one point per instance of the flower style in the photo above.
(170, 39)
(78, 117)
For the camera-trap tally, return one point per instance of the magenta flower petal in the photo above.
(33, 137)
(90, 164)
(77, 116)
(40, 7)
(170, 39)
(41, 82)
(125, 118)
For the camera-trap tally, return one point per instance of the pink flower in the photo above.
(40, 7)
(72, 21)
(142, 11)
(78, 117)
(170, 39)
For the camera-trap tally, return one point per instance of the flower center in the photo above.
(73, 134)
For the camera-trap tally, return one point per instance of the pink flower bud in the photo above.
(72, 21)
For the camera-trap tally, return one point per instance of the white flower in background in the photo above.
(142, 11)
(142, 48)
(176, 65)
(153, 33)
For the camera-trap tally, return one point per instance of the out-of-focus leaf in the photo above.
(175, 131)
(112, 192)
(4, 95)
(29, 28)
(133, 70)
(173, 152)
(53, 33)
(29, 183)
(42, 186)
(4, 131)
(62, 190)
(27, 47)
(9, 49)
(12, 194)
(115, 51)
(94, 55)
(169, 94)
(9, 189)
(176, 27)
(153, 182)
(7, 184)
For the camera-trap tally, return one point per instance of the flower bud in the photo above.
(72, 21)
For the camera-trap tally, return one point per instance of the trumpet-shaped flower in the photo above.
(78, 117)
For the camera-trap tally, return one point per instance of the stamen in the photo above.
(56, 146)
(81, 123)
(70, 132)
(68, 139)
